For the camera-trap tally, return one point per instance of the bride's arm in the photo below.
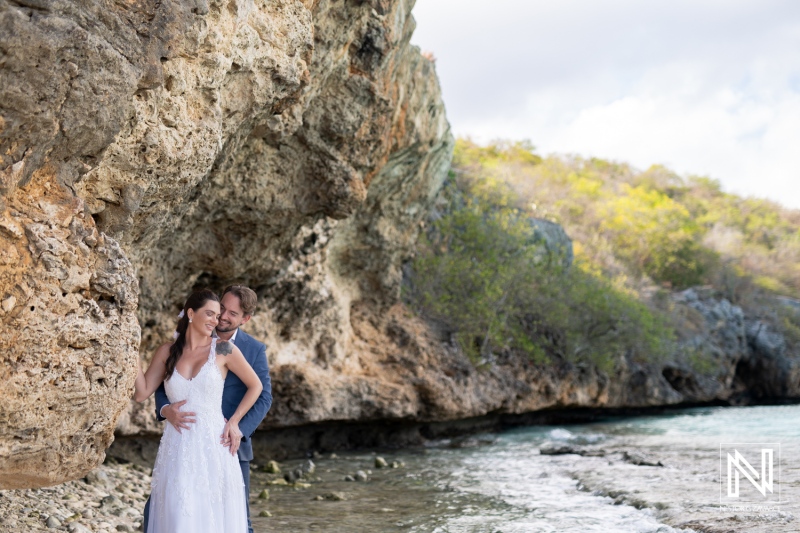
(237, 364)
(147, 383)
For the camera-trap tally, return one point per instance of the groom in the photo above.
(236, 307)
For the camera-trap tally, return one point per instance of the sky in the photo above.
(704, 87)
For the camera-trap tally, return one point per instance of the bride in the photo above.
(197, 483)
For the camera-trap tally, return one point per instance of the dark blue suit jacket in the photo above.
(256, 354)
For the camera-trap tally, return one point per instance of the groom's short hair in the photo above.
(247, 297)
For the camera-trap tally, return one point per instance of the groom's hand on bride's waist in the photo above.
(179, 419)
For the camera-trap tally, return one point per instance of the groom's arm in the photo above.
(161, 401)
(172, 411)
(250, 422)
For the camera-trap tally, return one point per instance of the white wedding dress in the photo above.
(197, 484)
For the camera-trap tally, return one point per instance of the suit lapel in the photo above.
(241, 342)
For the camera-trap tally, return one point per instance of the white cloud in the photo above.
(705, 87)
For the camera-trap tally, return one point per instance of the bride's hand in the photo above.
(231, 436)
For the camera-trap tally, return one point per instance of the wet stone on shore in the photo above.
(550, 448)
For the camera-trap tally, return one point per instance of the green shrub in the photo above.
(481, 269)
(636, 234)
(656, 234)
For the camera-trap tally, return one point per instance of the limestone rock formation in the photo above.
(69, 340)
(770, 372)
(748, 358)
(151, 147)
(714, 331)
(556, 243)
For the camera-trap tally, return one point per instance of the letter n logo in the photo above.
(760, 476)
(737, 464)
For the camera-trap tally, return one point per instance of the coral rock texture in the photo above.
(150, 147)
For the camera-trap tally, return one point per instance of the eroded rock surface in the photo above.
(69, 338)
(151, 147)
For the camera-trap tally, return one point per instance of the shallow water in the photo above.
(501, 482)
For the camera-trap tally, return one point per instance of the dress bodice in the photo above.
(203, 393)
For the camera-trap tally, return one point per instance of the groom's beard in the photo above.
(226, 329)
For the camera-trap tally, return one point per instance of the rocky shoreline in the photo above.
(416, 488)
(110, 498)
(305, 441)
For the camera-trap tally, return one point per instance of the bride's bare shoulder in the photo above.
(226, 348)
(163, 350)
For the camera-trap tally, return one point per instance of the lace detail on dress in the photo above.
(197, 484)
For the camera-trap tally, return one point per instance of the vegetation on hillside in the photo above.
(481, 269)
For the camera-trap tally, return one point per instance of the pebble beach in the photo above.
(110, 498)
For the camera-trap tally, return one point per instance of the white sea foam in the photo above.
(511, 488)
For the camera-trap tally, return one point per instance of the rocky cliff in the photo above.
(150, 147)
(295, 146)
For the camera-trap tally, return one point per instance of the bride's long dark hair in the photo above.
(195, 301)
